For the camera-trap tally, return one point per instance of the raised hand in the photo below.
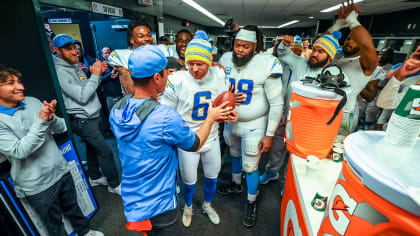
(346, 9)
(96, 68)
(48, 111)
(409, 67)
(288, 40)
(104, 66)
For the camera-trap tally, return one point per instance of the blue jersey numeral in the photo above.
(200, 108)
(245, 86)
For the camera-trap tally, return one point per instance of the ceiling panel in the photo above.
(274, 12)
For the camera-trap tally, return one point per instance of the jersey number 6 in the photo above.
(200, 107)
(244, 86)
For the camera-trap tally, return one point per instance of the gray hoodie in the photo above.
(79, 92)
(27, 142)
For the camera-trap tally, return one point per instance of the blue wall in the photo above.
(106, 36)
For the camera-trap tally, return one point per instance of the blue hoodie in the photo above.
(149, 158)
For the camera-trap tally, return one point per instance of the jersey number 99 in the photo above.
(244, 86)
(200, 108)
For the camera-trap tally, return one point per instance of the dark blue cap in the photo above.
(61, 40)
(146, 61)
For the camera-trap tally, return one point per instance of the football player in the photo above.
(189, 93)
(256, 78)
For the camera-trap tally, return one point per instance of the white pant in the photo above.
(211, 161)
(245, 145)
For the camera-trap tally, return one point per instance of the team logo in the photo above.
(228, 70)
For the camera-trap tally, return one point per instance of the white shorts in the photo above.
(244, 143)
(210, 160)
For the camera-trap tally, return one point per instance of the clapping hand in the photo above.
(48, 111)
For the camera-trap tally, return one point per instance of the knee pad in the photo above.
(252, 154)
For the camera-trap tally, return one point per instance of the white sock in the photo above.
(205, 204)
(236, 178)
(252, 197)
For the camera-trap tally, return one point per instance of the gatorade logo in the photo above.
(340, 209)
(291, 222)
(415, 108)
(319, 204)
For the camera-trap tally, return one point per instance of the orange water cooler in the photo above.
(307, 132)
(378, 191)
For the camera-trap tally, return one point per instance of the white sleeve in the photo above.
(274, 92)
(221, 74)
(119, 57)
(288, 57)
(169, 97)
(389, 98)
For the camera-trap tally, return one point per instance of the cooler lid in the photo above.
(390, 171)
(312, 91)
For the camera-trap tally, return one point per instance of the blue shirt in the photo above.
(149, 157)
(11, 111)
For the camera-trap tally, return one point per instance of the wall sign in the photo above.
(60, 21)
(106, 9)
(146, 2)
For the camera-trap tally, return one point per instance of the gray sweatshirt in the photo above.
(78, 91)
(28, 144)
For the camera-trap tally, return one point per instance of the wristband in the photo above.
(351, 20)
(338, 25)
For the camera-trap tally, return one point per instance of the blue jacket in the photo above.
(148, 154)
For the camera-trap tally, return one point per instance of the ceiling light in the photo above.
(338, 6)
(204, 11)
(311, 17)
(288, 23)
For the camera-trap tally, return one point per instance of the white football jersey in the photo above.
(191, 97)
(119, 57)
(251, 79)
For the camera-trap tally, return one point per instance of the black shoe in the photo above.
(230, 188)
(250, 215)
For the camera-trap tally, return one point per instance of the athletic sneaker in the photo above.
(96, 182)
(250, 215)
(211, 213)
(268, 176)
(230, 188)
(116, 190)
(187, 215)
(94, 233)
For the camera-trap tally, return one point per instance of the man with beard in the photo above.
(360, 59)
(138, 34)
(83, 107)
(323, 52)
(182, 38)
(256, 78)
